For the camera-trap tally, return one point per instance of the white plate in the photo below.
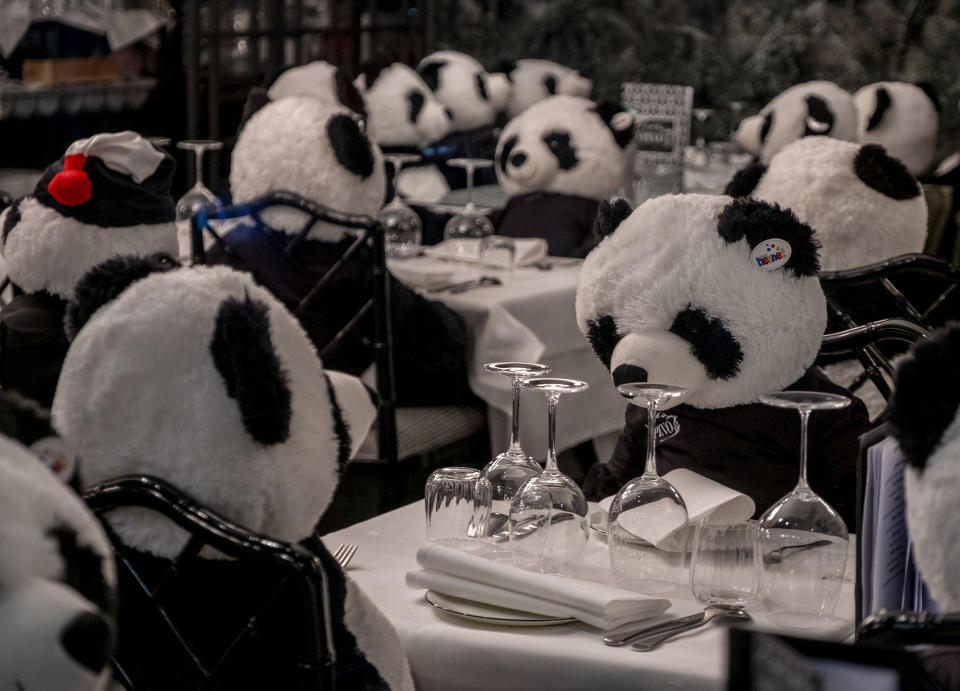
(488, 614)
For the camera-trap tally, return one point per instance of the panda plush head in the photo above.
(403, 112)
(808, 109)
(926, 424)
(864, 204)
(903, 118)
(201, 377)
(312, 149)
(109, 194)
(717, 295)
(57, 582)
(534, 80)
(460, 83)
(564, 144)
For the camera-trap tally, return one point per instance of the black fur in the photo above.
(350, 144)
(926, 394)
(88, 639)
(12, 218)
(559, 145)
(712, 343)
(600, 482)
(416, 100)
(606, 111)
(885, 174)
(481, 86)
(256, 99)
(766, 127)
(244, 356)
(82, 567)
(348, 94)
(629, 374)
(340, 427)
(745, 180)
(610, 214)
(883, 103)
(505, 152)
(106, 281)
(931, 92)
(603, 336)
(819, 111)
(550, 84)
(430, 73)
(758, 221)
(371, 69)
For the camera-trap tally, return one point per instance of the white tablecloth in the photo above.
(531, 318)
(453, 654)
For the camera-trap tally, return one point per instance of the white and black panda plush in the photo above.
(533, 80)
(57, 582)
(924, 420)
(555, 162)
(109, 194)
(202, 378)
(903, 118)
(815, 108)
(719, 296)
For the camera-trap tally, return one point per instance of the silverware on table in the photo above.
(651, 641)
(777, 555)
(344, 554)
(620, 638)
(464, 286)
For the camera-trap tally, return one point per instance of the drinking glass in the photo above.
(470, 222)
(497, 252)
(725, 568)
(511, 469)
(403, 229)
(197, 197)
(564, 535)
(457, 502)
(803, 541)
(647, 523)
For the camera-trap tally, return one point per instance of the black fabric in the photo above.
(754, 449)
(564, 221)
(430, 340)
(36, 345)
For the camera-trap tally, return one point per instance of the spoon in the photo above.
(776, 556)
(525, 527)
(710, 613)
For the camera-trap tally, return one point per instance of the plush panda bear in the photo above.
(903, 118)
(109, 194)
(533, 80)
(320, 153)
(808, 109)
(57, 580)
(719, 296)
(556, 161)
(202, 378)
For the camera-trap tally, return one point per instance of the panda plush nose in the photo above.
(87, 639)
(518, 159)
(629, 374)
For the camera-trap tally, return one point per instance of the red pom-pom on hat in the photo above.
(71, 186)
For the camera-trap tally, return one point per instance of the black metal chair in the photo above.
(293, 584)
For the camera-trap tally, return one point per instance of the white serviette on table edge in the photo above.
(421, 274)
(527, 250)
(472, 577)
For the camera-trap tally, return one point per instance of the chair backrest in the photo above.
(154, 589)
(662, 113)
(372, 236)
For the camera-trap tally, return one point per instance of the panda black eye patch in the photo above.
(83, 570)
(819, 113)
(505, 152)
(430, 73)
(711, 342)
(481, 86)
(766, 127)
(550, 84)
(416, 100)
(603, 336)
(559, 145)
(350, 145)
(885, 174)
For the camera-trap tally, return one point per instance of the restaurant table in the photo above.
(452, 654)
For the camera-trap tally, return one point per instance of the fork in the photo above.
(344, 554)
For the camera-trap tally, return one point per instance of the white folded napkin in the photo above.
(420, 274)
(471, 577)
(528, 250)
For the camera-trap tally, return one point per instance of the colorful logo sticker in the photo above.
(771, 254)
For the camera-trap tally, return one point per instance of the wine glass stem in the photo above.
(552, 401)
(650, 468)
(804, 419)
(198, 163)
(515, 421)
(469, 170)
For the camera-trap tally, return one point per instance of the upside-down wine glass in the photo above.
(646, 528)
(197, 197)
(403, 229)
(701, 159)
(803, 541)
(509, 471)
(561, 509)
(470, 222)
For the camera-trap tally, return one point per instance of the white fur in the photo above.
(314, 80)
(389, 109)
(747, 134)
(140, 393)
(284, 146)
(667, 255)
(907, 129)
(457, 90)
(600, 160)
(48, 251)
(422, 183)
(528, 87)
(857, 225)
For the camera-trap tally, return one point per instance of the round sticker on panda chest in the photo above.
(771, 254)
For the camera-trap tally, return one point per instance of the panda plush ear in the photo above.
(620, 122)
(348, 94)
(610, 214)
(745, 180)
(244, 356)
(430, 73)
(819, 119)
(883, 103)
(887, 175)
(762, 224)
(256, 99)
(350, 145)
(106, 281)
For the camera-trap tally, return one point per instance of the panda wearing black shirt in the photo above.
(719, 296)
